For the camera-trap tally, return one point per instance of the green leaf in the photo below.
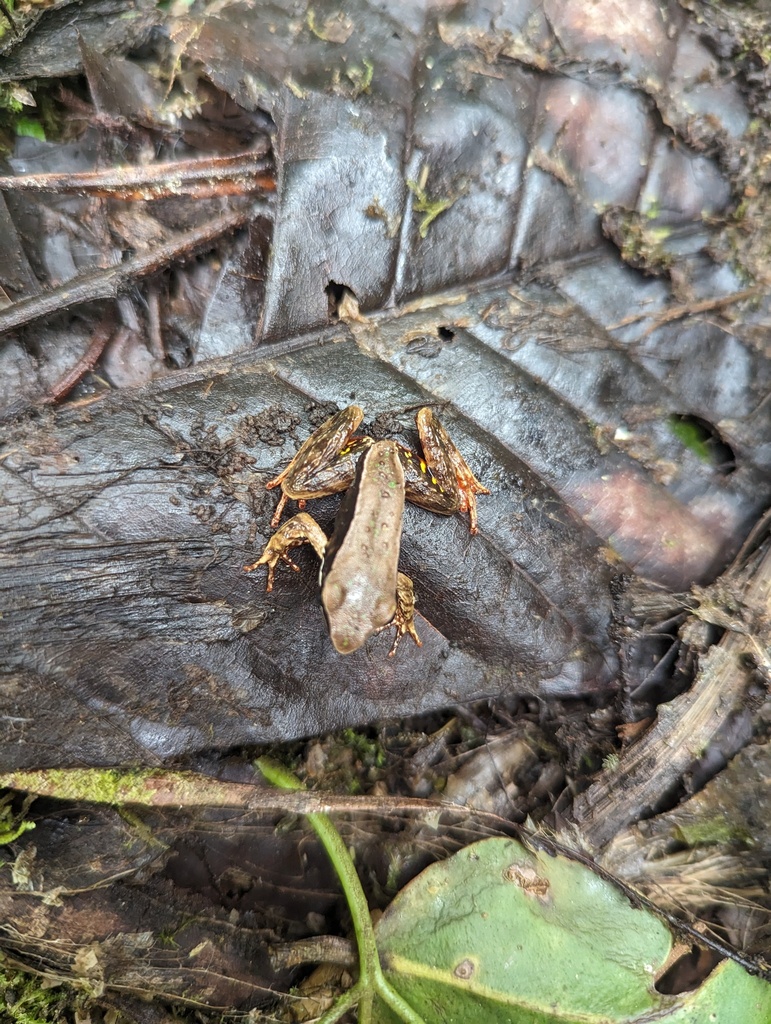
(500, 935)
(30, 126)
(692, 435)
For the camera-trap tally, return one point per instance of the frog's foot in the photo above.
(282, 505)
(404, 619)
(300, 529)
(271, 559)
(468, 488)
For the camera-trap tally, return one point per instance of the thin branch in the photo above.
(166, 788)
(89, 359)
(7, 13)
(239, 174)
(666, 316)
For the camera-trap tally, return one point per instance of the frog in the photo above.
(362, 590)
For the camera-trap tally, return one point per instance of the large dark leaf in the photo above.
(130, 631)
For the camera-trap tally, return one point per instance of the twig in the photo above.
(239, 174)
(8, 15)
(87, 361)
(154, 333)
(167, 788)
(687, 309)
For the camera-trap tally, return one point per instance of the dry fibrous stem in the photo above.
(686, 726)
(666, 316)
(87, 361)
(238, 174)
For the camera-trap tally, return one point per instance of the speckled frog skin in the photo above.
(362, 590)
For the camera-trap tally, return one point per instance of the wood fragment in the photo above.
(686, 727)
(87, 361)
(239, 174)
(666, 316)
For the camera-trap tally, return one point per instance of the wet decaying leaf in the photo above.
(201, 655)
(146, 905)
(540, 219)
(151, 496)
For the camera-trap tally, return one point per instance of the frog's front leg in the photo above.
(325, 463)
(442, 481)
(300, 529)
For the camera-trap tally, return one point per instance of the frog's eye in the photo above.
(334, 596)
(383, 610)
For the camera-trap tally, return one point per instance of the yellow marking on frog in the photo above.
(423, 466)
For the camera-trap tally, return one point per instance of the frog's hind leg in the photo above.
(453, 486)
(404, 619)
(304, 477)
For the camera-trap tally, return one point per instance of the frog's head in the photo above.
(352, 617)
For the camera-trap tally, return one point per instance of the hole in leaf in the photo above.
(339, 295)
(704, 440)
(687, 972)
(446, 333)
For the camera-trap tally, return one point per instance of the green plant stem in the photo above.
(342, 1005)
(371, 980)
